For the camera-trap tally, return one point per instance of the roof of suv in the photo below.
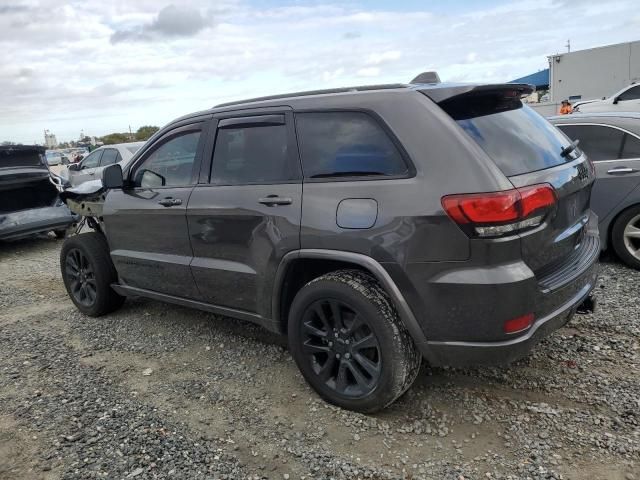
(440, 91)
(436, 91)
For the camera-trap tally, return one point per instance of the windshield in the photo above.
(516, 138)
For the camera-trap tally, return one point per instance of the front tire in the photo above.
(349, 343)
(625, 237)
(88, 272)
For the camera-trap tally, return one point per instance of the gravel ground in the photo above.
(159, 391)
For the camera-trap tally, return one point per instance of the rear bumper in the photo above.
(553, 307)
(463, 354)
(36, 220)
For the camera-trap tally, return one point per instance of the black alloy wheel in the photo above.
(81, 277)
(342, 349)
(349, 343)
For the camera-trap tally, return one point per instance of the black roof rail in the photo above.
(363, 88)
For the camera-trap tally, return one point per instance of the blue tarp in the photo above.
(539, 79)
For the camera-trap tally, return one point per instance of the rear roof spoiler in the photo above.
(445, 91)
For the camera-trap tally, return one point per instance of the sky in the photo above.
(102, 66)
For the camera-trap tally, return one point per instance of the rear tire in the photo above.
(88, 272)
(349, 343)
(625, 237)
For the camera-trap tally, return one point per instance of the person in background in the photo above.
(566, 107)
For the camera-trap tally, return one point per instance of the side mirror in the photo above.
(112, 177)
(74, 167)
(616, 100)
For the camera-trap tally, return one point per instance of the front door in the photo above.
(87, 168)
(247, 217)
(629, 100)
(146, 221)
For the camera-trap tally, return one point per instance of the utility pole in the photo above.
(130, 134)
(568, 45)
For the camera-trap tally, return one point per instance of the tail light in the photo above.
(502, 213)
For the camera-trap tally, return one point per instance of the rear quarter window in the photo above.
(346, 144)
(517, 139)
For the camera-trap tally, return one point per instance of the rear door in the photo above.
(528, 150)
(616, 155)
(245, 216)
(146, 222)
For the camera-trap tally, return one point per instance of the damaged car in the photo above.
(29, 202)
(373, 226)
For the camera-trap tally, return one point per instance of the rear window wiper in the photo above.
(569, 148)
(354, 173)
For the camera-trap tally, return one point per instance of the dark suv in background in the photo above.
(373, 225)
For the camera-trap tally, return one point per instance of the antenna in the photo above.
(568, 45)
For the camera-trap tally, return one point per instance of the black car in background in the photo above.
(29, 202)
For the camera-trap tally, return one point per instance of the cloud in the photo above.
(171, 21)
(9, 9)
(100, 66)
(351, 35)
(368, 72)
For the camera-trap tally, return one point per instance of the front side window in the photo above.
(598, 142)
(110, 156)
(171, 164)
(252, 155)
(93, 160)
(631, 94)
(346, 144)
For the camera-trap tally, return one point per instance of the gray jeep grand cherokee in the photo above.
(375, 226)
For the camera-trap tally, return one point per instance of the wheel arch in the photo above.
(315, 262)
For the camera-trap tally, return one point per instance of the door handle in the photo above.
(170, 202)
(621, 171)
(273, 200)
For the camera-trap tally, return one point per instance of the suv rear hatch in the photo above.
(530, 152)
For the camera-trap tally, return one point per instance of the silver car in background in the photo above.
(91, 166)
(612, 142)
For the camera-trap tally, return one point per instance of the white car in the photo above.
(91, 166)
(626, 100)
(56, 158)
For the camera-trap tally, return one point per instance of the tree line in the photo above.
(142, 134)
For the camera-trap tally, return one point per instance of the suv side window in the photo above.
(598, 142)
(170, 164)
(110, 156)
(631, 94)
(631, 148)
(92, 161)
(346, 144)
(252, 154)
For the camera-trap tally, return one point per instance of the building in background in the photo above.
(587, 74)
(594, 73)
(50, 140)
